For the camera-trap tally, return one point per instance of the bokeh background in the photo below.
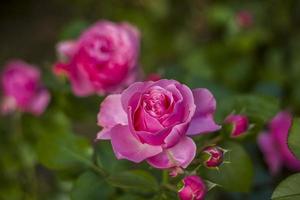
(231, 47)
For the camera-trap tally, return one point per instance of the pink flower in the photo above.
(22, 89)
(213, 156)
(102, 60)
(244, 19)
(152, 121)
(273, 144)
(193, 189)
(240, 124)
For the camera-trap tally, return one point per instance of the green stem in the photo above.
(89, 163)
(165, 177)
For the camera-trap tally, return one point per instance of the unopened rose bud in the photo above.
(175, 171)
(193, 188)
(240, 124)
(213, 156)
(244, 19)
(153, 77)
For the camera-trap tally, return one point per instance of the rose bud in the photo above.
(155, 121)
(239, 123)
(213, 156)
(193, 188)
(274, 146)
(153, 77)
(175, 171)
(104, 59)
(22, 89)
(244, 19)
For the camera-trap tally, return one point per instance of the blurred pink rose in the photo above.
(22, 89)
(273, 144)
(102, 60)
(240, 124)
(193, 188)
(152, 121)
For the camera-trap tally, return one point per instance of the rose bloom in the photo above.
(153, 121)
(273, 144)
(102, 60)
(193, 188)
(22, 89)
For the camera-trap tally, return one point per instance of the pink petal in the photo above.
(40, 102)
(111, 113)
(270, 151)
(180, 155)
(280, 126)
(202, 125)
(81, 84)
(66, 49)
(126, 146)
(203, 120)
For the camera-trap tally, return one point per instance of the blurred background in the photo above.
(231, 47)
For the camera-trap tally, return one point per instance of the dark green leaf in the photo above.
(288, 189)
(237, 175)
(90, 186)
(138, 180)
(294, 137)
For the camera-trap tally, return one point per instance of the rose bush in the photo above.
(153, 121)
(102, 60)
(22, 89)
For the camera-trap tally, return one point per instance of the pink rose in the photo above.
(102, 60)
(152, 121)
(273, 144)
(240, 124)
(22, 89)
(193, 188)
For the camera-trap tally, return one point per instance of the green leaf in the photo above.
(107, 159)
(91, 187)
(58, 148)
(288, 189)
(237, 174)
(138, 180)
(73, 29)
(258, 108)
(294, 137)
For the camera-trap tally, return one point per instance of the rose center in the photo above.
(156, 102)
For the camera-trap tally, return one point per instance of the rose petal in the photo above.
(180, 155)
(126, 146)
(40, 102)
(80, 82)
(66, 49)
(133, 90)
(280, 126)
(203, 120)
(270, 151)
(111, 113)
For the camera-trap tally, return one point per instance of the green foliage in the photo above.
(138, 180)
(237, 174)
(294, 137)
(288, 189)
(91, 186)
(58, 147)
